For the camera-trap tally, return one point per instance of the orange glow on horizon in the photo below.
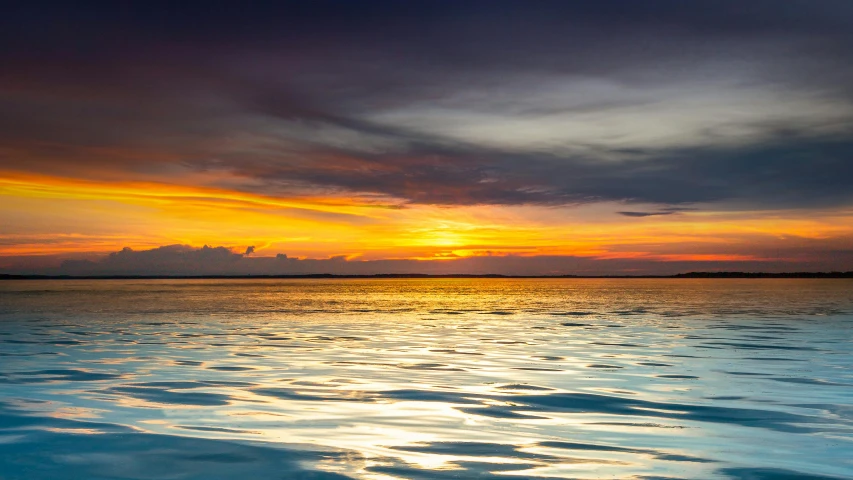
(62, 216)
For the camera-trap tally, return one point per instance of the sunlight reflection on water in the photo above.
(426, 379)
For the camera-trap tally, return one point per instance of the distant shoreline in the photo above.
(688, 275)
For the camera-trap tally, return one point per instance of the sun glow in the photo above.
(55, 215)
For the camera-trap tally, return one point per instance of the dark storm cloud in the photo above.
(495, 102)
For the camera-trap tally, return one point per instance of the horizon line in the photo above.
(686, 275)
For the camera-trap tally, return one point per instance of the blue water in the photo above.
(426, 379)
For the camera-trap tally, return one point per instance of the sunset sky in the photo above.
(546, 137)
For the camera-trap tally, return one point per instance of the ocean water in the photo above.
(426, 379)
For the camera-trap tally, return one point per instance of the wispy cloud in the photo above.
(668, 104)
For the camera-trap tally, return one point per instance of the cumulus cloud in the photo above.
(183, 260)
(165, 260)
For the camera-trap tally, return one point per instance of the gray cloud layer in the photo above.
(668, 102)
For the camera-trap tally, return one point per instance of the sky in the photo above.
(515, 137)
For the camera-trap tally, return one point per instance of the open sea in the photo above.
(500, 379)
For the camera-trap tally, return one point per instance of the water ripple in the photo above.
(473, 379)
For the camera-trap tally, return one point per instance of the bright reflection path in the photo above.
(423, 379)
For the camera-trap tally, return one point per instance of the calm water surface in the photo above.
(426, 379)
